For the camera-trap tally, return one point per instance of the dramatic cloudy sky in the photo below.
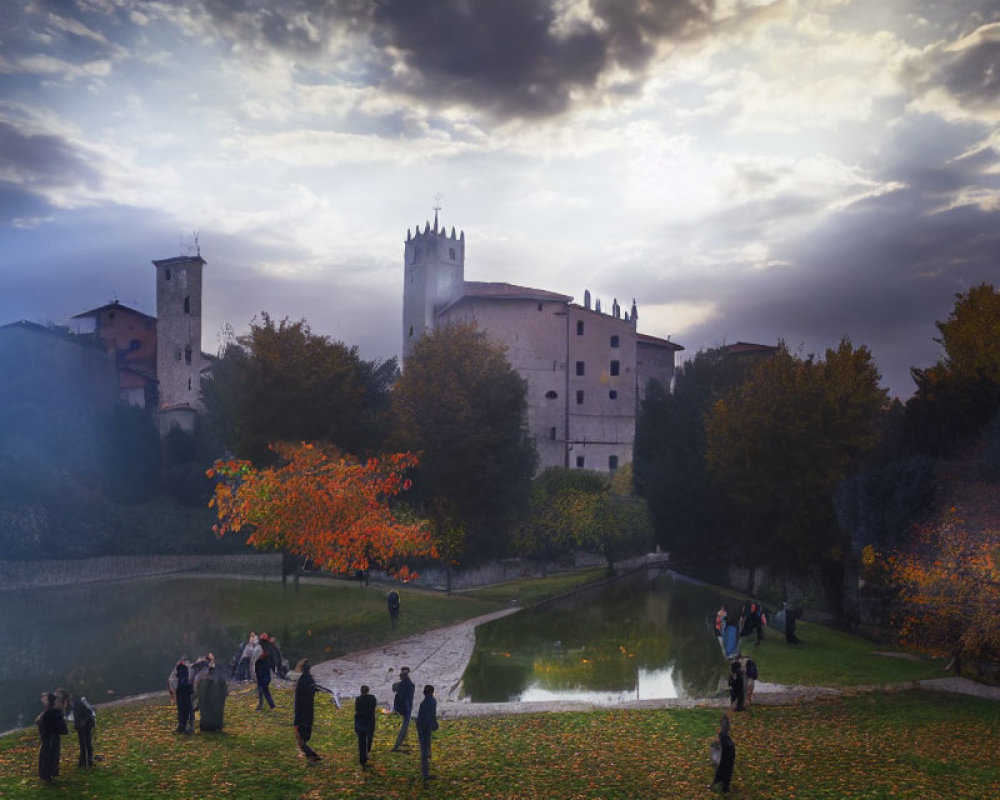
(745, 169)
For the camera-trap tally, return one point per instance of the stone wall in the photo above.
(34, 574)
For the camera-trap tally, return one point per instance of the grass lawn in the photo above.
(828, 657)
(899, 745)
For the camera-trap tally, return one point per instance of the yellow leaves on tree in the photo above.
(949, 585)
(325, 507)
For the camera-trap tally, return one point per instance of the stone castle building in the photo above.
(586, 370)
(159, 359)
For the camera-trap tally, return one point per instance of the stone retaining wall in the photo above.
(35, 574)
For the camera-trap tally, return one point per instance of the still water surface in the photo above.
(111, 640)
(646, 636)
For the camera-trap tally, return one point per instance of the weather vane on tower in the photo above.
(437, 207)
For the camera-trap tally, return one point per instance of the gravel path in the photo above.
(440, 657)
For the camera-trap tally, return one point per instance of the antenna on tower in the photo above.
(197, 245)
(190, 245)
(437, 207)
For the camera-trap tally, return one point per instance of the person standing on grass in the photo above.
(364, 724)
(183, 692)
(212, 690)
(402, 704)
(392, 599)
(737, 688)
(51, 725)
(426, 725)
(262, 672)
(750, 672)
(305, 694)
(727, 760)
(84, 721)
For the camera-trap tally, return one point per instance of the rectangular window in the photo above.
(552, 434)
(615, 367)
(613, 394)
(614, 341)
(579, 397)
(579, 327)
(579, 462)
(580, 368)
(612, 463)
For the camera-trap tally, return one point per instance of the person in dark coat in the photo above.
(426, 725)
(262, 672)
(791, 616)
(364, 724)
(727, 760)
(51, 725)
(737, 687)
(402, 704)
(183, 695)
(85, 721)
(393, 602)
(305, 694)
(212, 690)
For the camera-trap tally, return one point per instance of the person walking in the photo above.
(727, 759)
(402, 704)
(85, 721)
(364, 724)
(426, 725)
(737, 688)
(392, 599)
(305, 695)
(51, 725)
(750, 673)
(262, 672)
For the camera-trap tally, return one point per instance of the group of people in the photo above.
(199, 686)
(365, 706)
(58, 707)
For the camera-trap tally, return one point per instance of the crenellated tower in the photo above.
(434, 275)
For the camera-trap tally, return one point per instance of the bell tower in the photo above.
(178, 340)
(433, 276)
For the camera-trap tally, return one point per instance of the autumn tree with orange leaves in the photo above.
(949, 588)
(326, 507)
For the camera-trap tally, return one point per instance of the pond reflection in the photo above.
(646, 636)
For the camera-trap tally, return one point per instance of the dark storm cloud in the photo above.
(509, 57)
(35, 162)
(970, 74)
(881, 271)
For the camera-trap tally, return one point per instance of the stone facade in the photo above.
(179, 361)
(585, 369)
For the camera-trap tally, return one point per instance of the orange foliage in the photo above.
(330, 509)
(950, 586)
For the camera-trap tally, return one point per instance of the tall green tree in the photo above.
(959, 395)
(670, 468)
(282, 382)
(461, 406)
(780, 444)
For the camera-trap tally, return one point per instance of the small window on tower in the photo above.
(411, 331)
(451, 252)
(552, 433)
(579, 397)
(579, 327)
(580, 462)
(177, 353)
(551, 394)
(615, 367)
(612, 463)
(614, 341)
(187, 355)
(613, 394)
(189, 383)
(187, 305)
(539, 306)
(166, 273)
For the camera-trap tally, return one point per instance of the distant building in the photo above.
(159, 359)
(586, 370)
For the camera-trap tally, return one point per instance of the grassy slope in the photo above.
(905, 745)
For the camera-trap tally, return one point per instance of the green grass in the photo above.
(530, 590)
(900, 745)
(828, 657)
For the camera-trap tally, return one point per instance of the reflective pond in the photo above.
(646, 636)
(110, 640)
